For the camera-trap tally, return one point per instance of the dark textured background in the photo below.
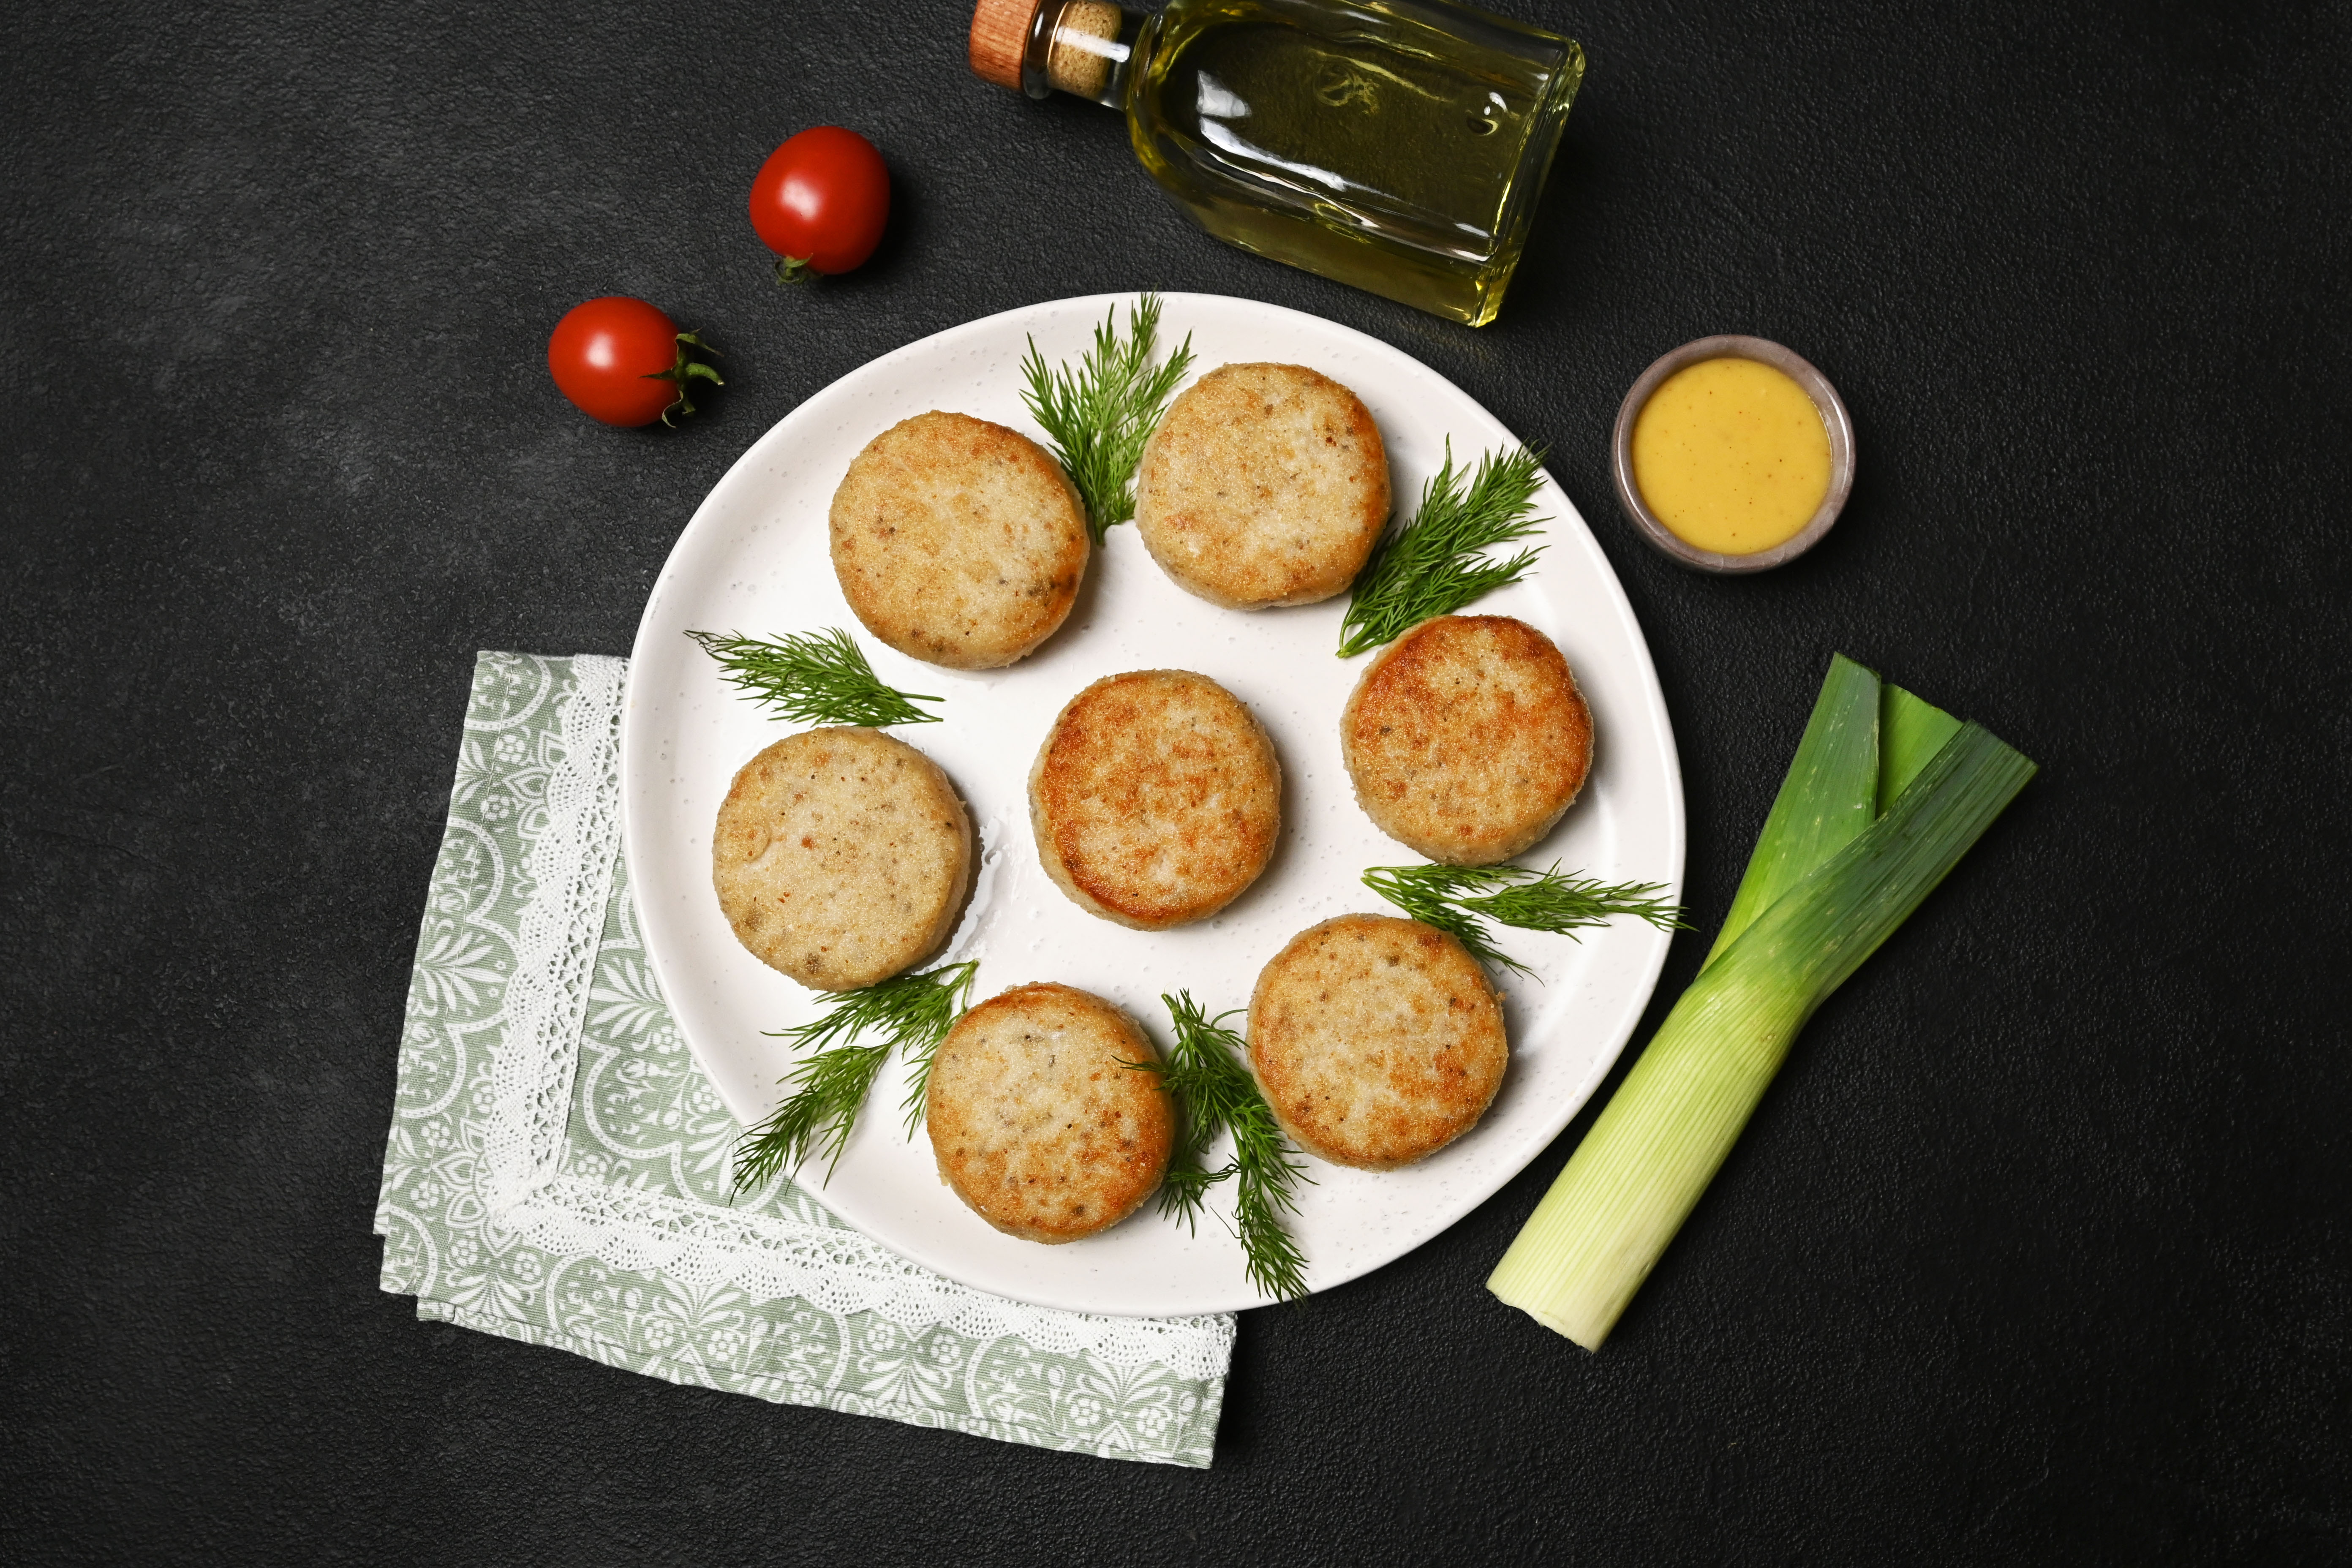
(2037, 1249)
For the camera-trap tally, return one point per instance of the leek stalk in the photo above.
(1885, 794)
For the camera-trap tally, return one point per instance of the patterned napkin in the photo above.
(558, 1168)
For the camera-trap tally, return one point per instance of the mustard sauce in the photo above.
(1732, 455)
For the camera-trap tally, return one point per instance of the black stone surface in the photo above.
(2037, 1251)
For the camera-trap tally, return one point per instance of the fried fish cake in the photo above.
(1036, 1119)
(958, 542)
(1467, 738)
(1377, 1041)
(841, 857)
(1265, 484)
(1156, 798)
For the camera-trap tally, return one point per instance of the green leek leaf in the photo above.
(1830, 796)
(1910, 733)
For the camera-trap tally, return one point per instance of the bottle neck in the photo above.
(1084, 48)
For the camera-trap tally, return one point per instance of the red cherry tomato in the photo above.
(621, 360)
(820, 201)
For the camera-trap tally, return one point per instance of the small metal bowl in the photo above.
(1764, 352)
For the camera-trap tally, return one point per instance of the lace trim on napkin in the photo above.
(570, 865)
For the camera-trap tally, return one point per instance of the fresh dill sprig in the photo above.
(1214, 1093)
(1099, 415)
(829, 1086)
(1460, 900)
(929, 1025)
(1431, 566)
(814, 677)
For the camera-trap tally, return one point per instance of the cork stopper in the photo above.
(1080, 52)
(999, 39)
(1077, 62)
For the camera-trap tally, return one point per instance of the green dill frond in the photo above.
(814, 677)
(828, 1086)
(1565, 905)
(1431, 566)
(1098, 416)
(1186, 1186)
(1425, 893)
(1461, 900)
(827, 1089)
(1214, 1093)
(924, 1023)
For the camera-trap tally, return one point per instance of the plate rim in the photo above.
(633, 731)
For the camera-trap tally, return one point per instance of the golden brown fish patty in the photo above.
(1156, 798)
(1377, 1041)
(1467, 738)
(1035, 1121)
(841, 857)
(958, 542)
(1266, 484)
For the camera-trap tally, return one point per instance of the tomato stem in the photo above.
(796, 270)
(685, 370)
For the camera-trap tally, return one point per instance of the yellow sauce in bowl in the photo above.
(1732, 455)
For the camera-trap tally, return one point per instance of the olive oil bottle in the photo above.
(1398, 145)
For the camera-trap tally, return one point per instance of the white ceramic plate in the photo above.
(755, 560)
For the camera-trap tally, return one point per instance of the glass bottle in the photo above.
(1398, 145)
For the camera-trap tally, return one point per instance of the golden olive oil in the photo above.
(1398, 145)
